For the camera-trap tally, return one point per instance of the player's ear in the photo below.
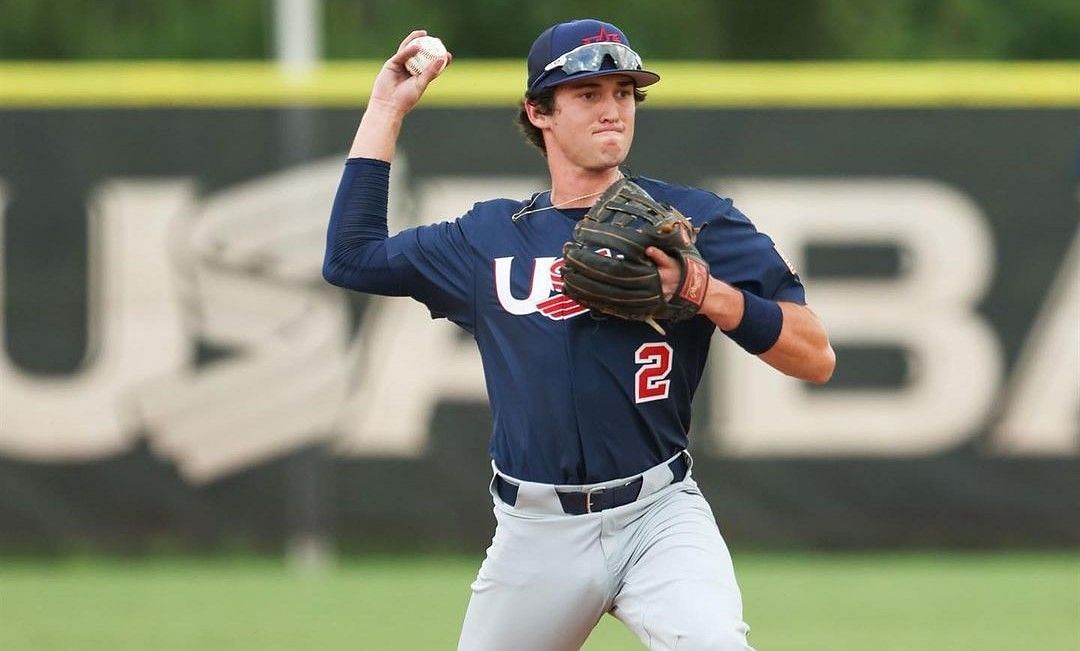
(536, 118)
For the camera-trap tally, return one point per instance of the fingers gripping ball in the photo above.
(625, 220)
(431, 49)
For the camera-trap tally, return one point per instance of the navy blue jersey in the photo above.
(577, 397)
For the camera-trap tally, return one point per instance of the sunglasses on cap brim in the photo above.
(590, 58)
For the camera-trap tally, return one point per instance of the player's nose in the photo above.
(609, 109)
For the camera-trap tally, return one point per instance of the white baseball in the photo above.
(431, 49)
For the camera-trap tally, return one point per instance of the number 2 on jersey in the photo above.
(650, 381)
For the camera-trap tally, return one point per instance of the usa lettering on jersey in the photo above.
(545, 293)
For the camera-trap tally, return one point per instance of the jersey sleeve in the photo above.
(429, 263)
(741, 255)
(435, 266)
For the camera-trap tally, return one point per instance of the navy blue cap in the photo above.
(560, 39)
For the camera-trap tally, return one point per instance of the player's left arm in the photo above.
(802, 349)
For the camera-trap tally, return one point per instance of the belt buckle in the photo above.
(589, 495)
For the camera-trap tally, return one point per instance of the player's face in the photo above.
(592, 126)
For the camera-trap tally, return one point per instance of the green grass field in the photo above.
(877, 602)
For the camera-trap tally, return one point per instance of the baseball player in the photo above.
(596, 508)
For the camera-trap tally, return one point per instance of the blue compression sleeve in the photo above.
(356, 256)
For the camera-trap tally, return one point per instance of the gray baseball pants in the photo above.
(658, 564)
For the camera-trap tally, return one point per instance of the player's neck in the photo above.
(578, 188)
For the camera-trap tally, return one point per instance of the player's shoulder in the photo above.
(661, 189)
(499, 206)
(489, 223)
(700, 205)
(494, 211)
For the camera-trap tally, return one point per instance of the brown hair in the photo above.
(544, 101)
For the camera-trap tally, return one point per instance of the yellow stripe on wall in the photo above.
(501, 83)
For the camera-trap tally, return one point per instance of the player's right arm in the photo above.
(428, 263)
(393, 95)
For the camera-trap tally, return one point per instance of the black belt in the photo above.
(597, 499)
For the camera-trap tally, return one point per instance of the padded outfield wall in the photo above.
(175, 372)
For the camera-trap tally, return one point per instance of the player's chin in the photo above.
(612, 154)
(617, 159)
(604, 163)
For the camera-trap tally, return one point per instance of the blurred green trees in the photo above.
(719, 29)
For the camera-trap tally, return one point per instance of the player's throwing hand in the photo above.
(395, 87)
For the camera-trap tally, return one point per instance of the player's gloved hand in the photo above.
(608, 271)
